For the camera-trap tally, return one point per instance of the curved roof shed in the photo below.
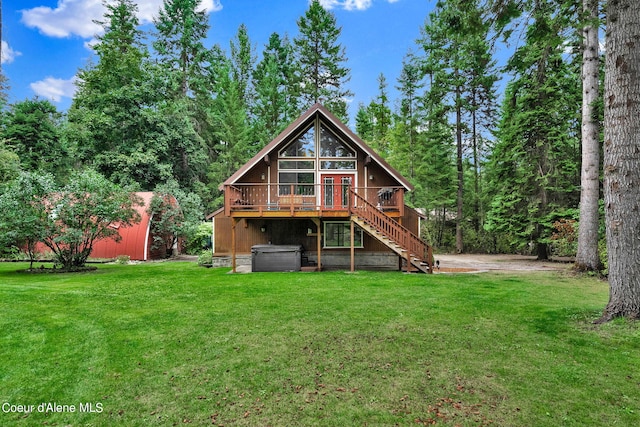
(136, 239)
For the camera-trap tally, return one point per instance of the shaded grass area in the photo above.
(172, 344)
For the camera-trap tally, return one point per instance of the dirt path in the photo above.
(482, 262)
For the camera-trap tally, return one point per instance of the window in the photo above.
(338, 164)
(296, 165)
(303, 146)
(317, 149)
(338, 235)
(331, 146)
(302, 183)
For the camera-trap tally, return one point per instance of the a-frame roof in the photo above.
(327, 116)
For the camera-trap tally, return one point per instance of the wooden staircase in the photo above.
(417, 254)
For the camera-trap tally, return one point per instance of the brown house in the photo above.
(320, 187)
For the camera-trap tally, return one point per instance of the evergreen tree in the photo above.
(437, 166)
(181, 29)
(32, 130)
(232, 132)
(364, 123)
(322, 58)
(242, 65)
(186, 72)
(407, 143)
(276, 90)
(459, 58)
(108, 121)
(381, 118)
(622, 159)
(533, 166)
(588, 256)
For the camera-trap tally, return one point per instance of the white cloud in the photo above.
(357, 4)
(55, 89)
(148, 9)
(75, 17)
(70, 17)
(350, 4)
(8, 54)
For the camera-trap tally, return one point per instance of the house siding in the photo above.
(373, 255)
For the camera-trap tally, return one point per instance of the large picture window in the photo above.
(338, 235)
(310, 154)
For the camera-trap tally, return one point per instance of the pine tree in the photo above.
(533, 166)
(185, 76)
(459, 58)
(181, 29)
(232, 131)
(438, 159)
(276, 89)
(242, 64)
(33, 129)
(323, 73)
(622, 159)
(108, 120)
(406, 141)
(588, 257)
(364, 123)
(381, 118)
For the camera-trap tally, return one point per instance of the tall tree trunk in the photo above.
(587, 258)
(476, 166)
(459, 242)
(622, 158)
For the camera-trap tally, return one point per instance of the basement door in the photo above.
(335, 190)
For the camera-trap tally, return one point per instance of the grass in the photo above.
(172, 344)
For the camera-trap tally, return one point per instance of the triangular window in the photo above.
(331, 146)
(303, 146)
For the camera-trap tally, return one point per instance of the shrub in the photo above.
(564, 240)
(205, 258)
(123, 259)
(200, 240)
(604, 257)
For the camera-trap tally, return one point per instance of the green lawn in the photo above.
(172, 344)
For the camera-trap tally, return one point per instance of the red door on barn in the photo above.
(335, 190)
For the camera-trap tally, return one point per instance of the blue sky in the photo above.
(45, 42)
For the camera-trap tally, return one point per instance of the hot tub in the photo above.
(276, 257)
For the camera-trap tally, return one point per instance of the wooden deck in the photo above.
(307, 200)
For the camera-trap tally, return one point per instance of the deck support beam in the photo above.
(352, 245)
(234, 222)
(316, 221)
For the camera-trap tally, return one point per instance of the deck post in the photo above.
(234, 222)
(352, 245)
(316, 221)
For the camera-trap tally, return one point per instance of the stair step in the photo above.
(415, 261)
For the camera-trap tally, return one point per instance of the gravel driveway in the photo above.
(482, 262)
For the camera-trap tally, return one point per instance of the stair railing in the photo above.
(391, 229)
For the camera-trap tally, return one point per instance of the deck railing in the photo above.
(391, 229)
(308, 197)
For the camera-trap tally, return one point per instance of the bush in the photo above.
(205, 258)
(564, 240)
(200, 240)
(123, 259)
(604, 257)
